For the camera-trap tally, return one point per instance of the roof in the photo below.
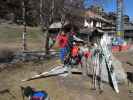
(90, 30)
(86, 30)
(56, 25)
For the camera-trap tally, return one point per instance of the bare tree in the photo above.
(46, 19)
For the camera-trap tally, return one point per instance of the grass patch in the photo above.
(13, 33)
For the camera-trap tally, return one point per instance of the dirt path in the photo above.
(75, 87)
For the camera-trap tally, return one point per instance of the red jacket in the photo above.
(74, 51)
(62, 40)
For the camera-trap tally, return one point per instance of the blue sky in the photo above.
(110, 5)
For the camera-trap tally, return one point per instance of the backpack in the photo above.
(34, 95)
(39, 95)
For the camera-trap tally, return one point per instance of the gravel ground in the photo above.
(75, 87)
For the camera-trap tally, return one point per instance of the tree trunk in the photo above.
(41, 17)
(46, 40)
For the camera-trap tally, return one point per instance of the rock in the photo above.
(119, 71)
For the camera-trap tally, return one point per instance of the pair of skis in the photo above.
(107, 56)
(55, 71)
(97, 60)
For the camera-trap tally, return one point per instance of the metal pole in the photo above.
(25, 28)
(119, 28)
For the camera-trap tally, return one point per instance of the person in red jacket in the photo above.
(63, 44)
(76, 56)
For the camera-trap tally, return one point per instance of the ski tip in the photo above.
(23, 80)
(117, 91)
